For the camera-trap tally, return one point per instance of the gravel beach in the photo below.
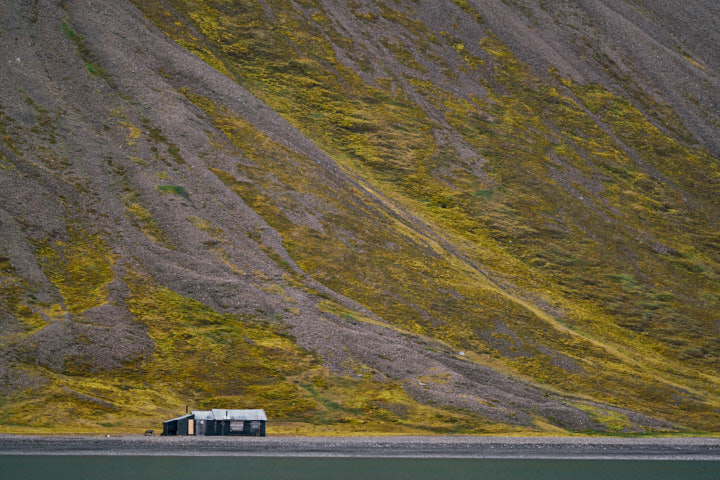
(692, 448)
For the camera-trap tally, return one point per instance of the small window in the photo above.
(237, 425)
(255, 425)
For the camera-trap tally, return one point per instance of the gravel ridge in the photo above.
(685, 448)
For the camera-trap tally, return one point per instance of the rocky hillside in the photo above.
(408, 216)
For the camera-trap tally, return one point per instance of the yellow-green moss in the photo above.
(329, 259)
(16, 300)
(576, 202)
(80, 266)
(465, 6)
(205, 359)
(143, 220)
(613, 421)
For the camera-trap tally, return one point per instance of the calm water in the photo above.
(250, 468)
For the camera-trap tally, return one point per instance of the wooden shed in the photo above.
(218, 421)
(179, 426)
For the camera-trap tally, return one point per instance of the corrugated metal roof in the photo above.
(225, 414)
(228, 414)
(203, 414)
(179, 418)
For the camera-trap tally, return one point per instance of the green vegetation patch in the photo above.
(16, 300)
(80, 266)
(465, 6)
(594, 212)
(174, 190)
(199, 350)
(143, 220)
(613, 420)
(206, 359)
(91, 65)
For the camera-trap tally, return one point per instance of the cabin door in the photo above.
(191, 427)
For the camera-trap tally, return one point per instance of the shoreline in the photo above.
(580, 448)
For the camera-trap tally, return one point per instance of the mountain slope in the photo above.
(374, 216)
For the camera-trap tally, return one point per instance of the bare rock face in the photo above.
(317, 205)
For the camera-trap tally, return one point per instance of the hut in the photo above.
(218, 421)
(179, 426)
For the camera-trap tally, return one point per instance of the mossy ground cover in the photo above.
(16, 301)
(320, 254)
(574, 179)
(80, 266)
(205, 359)
(143, 220)
(574, 248)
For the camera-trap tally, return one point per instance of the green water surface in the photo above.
(47, 467)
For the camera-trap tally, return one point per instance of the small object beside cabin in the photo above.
(217, 422)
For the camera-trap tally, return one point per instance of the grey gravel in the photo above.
(693, 448)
